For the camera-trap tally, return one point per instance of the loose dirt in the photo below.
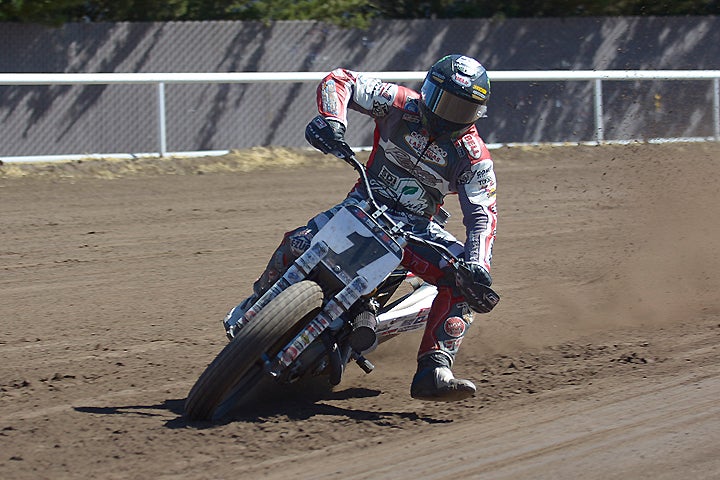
(600, 362)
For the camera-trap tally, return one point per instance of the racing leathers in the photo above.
(411, 173)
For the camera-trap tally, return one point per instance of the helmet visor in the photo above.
(450, 107)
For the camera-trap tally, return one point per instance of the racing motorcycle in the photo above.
(334, 305)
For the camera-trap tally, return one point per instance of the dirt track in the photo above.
(601, 361)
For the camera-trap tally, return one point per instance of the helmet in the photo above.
(454, 94)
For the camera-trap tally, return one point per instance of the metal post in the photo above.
(599, 130)
(716, 107)
(161, 118)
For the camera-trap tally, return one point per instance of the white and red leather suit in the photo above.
(412, 173)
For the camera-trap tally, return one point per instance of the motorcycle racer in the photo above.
(425, 147)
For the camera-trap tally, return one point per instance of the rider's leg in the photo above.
(448, 321)
(293, 244)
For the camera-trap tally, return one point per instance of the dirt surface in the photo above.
(601, 360)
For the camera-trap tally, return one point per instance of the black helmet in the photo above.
(454, 94)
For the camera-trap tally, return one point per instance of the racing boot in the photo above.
(435, 381)
(448, 321)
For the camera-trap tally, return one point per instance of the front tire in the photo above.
(238, 367)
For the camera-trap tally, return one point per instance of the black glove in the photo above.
(328, 136)
(474, 282)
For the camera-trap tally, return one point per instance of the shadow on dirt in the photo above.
(174, 406)
(305, 404)
(299, 406)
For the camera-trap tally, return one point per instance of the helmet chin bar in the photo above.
(438, 127)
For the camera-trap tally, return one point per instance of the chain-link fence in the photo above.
(62, 119)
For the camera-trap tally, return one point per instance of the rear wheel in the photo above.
(238, 367)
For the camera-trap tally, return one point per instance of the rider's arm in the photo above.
(476, 192)
(343, 89)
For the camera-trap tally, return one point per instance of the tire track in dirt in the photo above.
(89, 403)
(543, 440)
(57, 352)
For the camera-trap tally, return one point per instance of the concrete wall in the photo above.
(37, 120)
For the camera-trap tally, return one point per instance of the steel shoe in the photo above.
(434, 381)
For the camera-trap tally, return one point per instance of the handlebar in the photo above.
(480, 297)
(360, 168)
(449, 257)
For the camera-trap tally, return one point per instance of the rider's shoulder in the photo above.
(343, 74)
(408, 100)
(472, 146)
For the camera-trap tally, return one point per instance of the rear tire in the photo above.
(238, 367)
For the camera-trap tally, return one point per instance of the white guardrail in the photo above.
(161, 79)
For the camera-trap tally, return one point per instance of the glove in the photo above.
(474, 273)
(328, 136)
(473, 281)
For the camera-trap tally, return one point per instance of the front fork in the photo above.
(335, 307)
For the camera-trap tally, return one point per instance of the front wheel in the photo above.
(238, 367)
